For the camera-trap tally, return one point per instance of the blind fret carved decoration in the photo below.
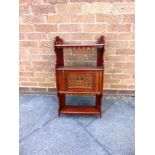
(80, 80)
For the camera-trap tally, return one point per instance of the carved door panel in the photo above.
(80, 81)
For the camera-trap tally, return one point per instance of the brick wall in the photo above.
(76, 21)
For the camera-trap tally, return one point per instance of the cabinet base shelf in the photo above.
(84, 110)
(80, 93)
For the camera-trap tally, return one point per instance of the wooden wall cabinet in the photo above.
(77, 80)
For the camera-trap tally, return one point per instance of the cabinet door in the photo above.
(80, 81)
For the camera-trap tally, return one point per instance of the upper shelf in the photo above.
(79, 45)
(80, 68)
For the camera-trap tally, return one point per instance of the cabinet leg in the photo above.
(61, 101)
(99, 102)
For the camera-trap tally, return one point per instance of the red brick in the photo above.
(110, 51)
(27, 74)
(49, 58)
(116, 58)
(34, 79)
(131, 44)
(44, 75)
(32, 19)
(55, 1)
(118, 86)
(96, 8)
(91, 57)
(128, 18)
(40, 51)
(25, 57)
(125, 51)
(68, 8)
(127, 81)
(126, 36)
(118, 44)
(65, 36)
(95, 28)
(82, 36)
(107, 76)
(130, 58)
(129, 0)
(89, 18)
(58, 19)
(28, 44)
(119, 28)
(45, 84)
(24, 63)
(24, 9)
(110, 36)
(50, 80)
(22, 36)
(91, 1)
(46, 28)
(42, 9)
(24, 51)
(29, 1)
(133, 28)
(70, 28)
(28, 83)
(36, 36)
(108, 18)
(124, 65)
(23, 79)
(106, 86)
(36, 58)
(42, 69)
(45, 44)
(26, 28)
(41, 63)
(80, 51)
(123, 8)
(21, 68)
(111, 81)
(131, 86)
(29, 68)
(120, 76)
(74, 57)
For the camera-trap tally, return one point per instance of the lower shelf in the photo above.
(86, 110)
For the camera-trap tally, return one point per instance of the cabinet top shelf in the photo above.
(78, 45)
(80, 68)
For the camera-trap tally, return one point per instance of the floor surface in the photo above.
(42, 132)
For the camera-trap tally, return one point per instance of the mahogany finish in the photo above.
(79, 80)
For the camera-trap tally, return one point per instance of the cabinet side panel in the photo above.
(60, 80)
(99, 81)
(102, 80)
(101, 73)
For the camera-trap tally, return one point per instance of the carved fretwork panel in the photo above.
(80, 80)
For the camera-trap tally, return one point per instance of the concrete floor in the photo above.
(42, 132)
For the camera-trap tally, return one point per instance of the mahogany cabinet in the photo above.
(77, 80)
